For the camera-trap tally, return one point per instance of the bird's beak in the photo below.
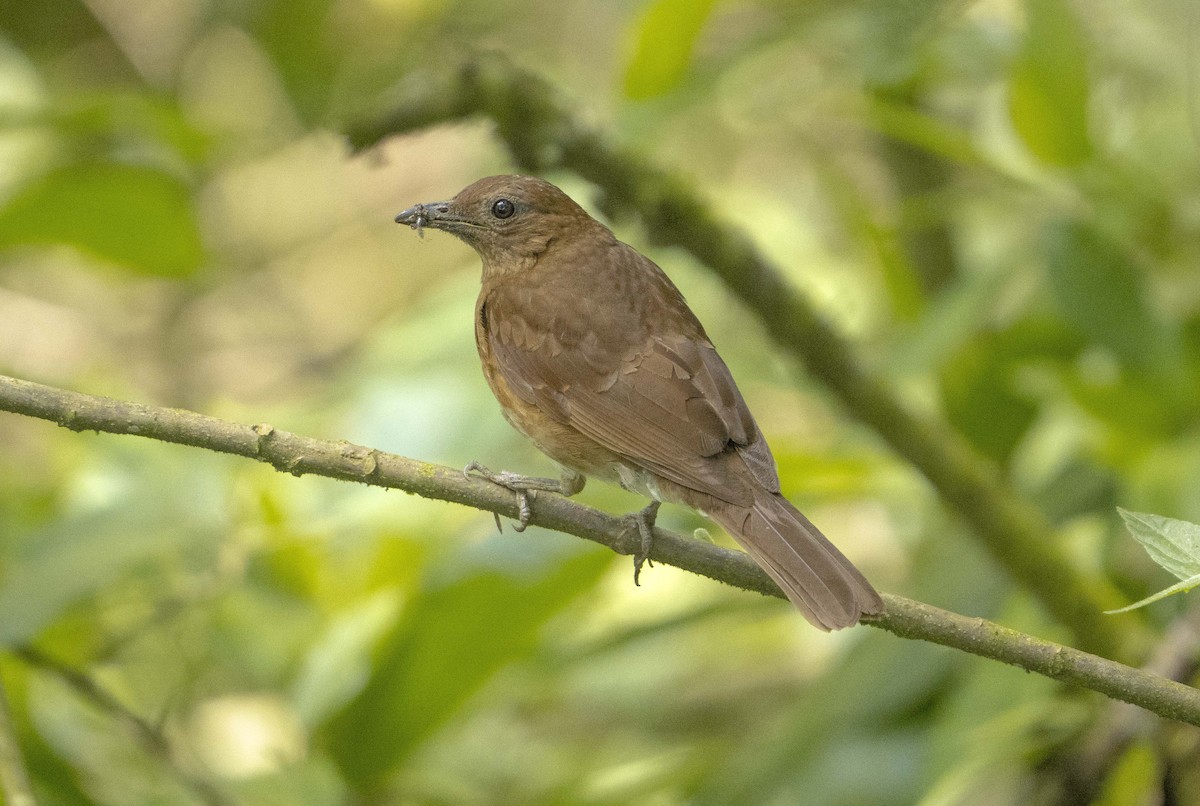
(425, 215)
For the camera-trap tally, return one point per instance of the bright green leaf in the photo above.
(451, 641)
(295, 34)
(667, 36)
(1173, 544)
(1048, 87)
(1136, 777)
(900, 276)
(134, 215)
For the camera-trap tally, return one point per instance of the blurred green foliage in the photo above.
(1048, 88)
(96, 207)
(996, 200)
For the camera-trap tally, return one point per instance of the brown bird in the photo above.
(595, 356)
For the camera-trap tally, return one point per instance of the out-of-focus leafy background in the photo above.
(998, 201)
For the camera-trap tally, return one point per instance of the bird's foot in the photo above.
(643, 521)
(526, 487)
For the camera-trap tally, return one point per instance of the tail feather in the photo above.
(817, 578)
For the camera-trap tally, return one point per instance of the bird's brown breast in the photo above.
(595, 356)
(553, 435)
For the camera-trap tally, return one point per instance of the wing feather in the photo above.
(670, 405)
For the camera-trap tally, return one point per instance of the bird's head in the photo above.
(508, 220)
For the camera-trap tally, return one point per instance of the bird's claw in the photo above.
(509, 481)
(643, 521)
(525, 487)
(523, 513)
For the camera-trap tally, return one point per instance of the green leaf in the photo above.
(905, 123)
(900, 276)
(298, 36)
(148, 122)
(1048, 86)
(1137, 407)
(54, 779)
(134, 215)
(138, 517)
(1173, 544)
(449, 643)
(980, 387)
(1099, 290)
(24, 24)
(1135, 778)
(667, 36)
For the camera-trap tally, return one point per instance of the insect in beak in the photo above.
(416, 217)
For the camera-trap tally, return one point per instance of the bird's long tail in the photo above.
(817, 578)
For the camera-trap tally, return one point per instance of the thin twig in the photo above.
(299, 454)
(543, 133)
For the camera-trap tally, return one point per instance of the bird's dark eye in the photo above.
(503, 208)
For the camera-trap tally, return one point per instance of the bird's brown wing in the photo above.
(668, 404)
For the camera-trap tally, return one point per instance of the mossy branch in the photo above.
(298, 455)
(543, 132)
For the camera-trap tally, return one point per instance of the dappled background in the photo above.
(996, 201)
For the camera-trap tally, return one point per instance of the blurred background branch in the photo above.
(299, 455)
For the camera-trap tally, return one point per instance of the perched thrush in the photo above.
(594, 355)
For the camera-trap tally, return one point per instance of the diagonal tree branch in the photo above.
(543, 133)
(297, 454)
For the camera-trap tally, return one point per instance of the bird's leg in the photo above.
(643, 520)
(526, 487)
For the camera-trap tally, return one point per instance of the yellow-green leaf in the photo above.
(666, 37)
(1048, 87)
(134, 215)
